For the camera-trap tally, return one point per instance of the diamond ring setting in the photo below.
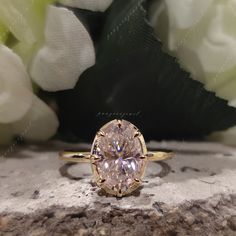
(118, 157)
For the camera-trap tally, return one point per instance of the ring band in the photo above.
(118, 157)
(74, 156)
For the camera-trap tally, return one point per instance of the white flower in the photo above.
(25, 21)
(93, 5)
(202, 35)
(52, 41)
(48, 45)
(67, 52)
(21, 112)
(16, 95)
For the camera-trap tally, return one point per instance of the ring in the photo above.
(118, 157)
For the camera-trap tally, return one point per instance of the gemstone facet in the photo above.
(119, 150)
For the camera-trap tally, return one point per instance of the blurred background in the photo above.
(69, 66)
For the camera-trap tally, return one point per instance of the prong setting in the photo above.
(137, 180)
(119, 123)
(95, 158)
(101, 181)
(137, 134)
(101, 133)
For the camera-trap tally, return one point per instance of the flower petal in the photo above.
(25, 19)
(93, 5)
(67, 53)
(202, 36)
(15, 87)
(14, 19)
(25, 51)
(39, 124)
(3, 33)
(186, 13)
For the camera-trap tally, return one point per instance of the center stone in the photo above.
(120, 149)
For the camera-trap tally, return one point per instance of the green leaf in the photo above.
(134, 75)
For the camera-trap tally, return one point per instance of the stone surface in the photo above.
(192, 194)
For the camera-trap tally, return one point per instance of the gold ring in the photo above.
(118, 157)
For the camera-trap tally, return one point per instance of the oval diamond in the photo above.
(119, 152)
